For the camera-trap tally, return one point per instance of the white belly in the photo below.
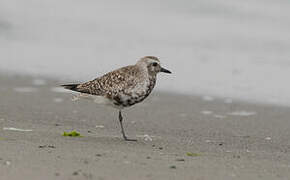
(96, 99)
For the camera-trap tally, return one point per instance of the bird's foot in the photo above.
(127, 139)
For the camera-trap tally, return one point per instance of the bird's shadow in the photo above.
(111, 140)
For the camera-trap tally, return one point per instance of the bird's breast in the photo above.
(136, 94)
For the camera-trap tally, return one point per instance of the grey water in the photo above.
(225, 48)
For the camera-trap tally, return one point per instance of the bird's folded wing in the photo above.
(111, 83)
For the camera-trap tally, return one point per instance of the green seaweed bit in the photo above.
(193, 154)
(72, 134)
(64, 134)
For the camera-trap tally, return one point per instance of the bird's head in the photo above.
(152, 64)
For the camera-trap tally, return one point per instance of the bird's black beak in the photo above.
(165, 70)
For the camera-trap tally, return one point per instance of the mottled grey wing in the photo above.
(112, 83)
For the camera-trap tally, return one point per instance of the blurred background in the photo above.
(225, 48)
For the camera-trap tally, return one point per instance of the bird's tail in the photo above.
(72, 87)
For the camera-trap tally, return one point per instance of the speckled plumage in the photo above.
(123, 87)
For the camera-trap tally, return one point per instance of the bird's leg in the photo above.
(122, 128)
(121, 123)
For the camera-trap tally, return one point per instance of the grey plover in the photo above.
(123, 87)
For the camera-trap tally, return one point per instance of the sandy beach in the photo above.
(179, 137)
(234, 50)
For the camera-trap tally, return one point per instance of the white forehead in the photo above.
(149, 60)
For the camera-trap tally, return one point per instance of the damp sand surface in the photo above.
(179, 137)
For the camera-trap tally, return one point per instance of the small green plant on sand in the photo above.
(72, 134)
(193, 154)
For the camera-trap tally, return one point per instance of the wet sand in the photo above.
(227, 139)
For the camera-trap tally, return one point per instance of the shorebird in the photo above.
(123, 87)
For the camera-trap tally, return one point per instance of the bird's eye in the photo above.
(155, 64)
